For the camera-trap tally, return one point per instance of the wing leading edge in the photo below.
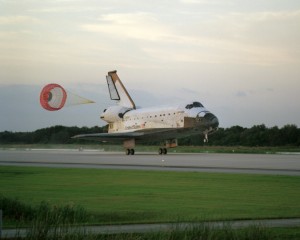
(145, 135)
(109, 136)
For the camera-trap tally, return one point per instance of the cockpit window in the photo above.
(194, 104)
(189, 106)
(197, 104)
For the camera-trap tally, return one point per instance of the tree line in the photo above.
(51, 135)
(258, 135)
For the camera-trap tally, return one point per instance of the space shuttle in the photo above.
(166, 124)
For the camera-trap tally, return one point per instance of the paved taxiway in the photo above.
(283, 164)
(144, 228)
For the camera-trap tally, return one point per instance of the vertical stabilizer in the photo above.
(117, 90)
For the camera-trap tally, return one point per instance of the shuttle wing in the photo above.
(140, 135)
(110, 137)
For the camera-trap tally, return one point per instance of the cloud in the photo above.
(9, 20)
(64, 9)
(141, 25)
(241, 94)
(257, 26)
(269, 16)
(238, 38)
(206, 2)
(221, 50)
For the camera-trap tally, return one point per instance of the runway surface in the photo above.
(281, 164)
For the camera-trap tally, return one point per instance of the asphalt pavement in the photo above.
(282, 164)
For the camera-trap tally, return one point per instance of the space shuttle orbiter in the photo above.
(130, 124)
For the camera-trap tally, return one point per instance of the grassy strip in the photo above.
(201, 232)
(57, 222)
(204, 232)
(18, 211)
(118, 196)
(141, 148)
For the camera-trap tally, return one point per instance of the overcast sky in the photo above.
(241, 59)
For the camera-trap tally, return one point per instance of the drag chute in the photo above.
(53, 97)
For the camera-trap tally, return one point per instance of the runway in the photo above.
(278, 164)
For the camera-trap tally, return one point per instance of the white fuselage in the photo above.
(121, 119)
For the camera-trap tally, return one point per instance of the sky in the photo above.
(240, 59)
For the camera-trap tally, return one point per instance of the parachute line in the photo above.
(74, 99)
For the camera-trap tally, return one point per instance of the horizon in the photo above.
(107, 124)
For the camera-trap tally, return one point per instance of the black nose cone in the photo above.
(211, 120)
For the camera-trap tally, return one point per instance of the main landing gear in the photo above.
(129, 145)
(130, 151)
(162, 151)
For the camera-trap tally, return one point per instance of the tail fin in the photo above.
(117, 90)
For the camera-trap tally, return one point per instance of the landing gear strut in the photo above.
(130, 151)
(129, 145)
(205, 140)
(162, 151)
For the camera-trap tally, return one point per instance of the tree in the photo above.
(258, 135)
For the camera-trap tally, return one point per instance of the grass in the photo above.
(57, 222)
(127, 196)
(18, 211)
(200, 232)
(61, 222)
(117, 196)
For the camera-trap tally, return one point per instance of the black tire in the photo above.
(132, 151)
(165, 151)
(128, 152)
(160, 151)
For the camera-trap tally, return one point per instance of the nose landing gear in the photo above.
(205, 140)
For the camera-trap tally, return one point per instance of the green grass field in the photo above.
(119, 196)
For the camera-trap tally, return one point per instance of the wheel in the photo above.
(132, 151)
(160, 151)
(129, 151)
(165, 151)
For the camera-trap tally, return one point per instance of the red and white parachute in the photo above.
(53, 97)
